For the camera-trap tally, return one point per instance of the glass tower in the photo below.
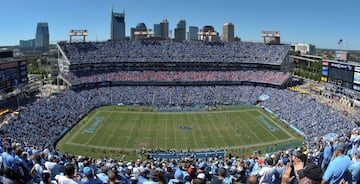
(42, 37)
(180, 31)
(117, 26)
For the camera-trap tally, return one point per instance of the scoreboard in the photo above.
(344, 74)
(12, 73)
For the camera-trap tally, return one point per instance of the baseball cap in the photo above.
(337, 146)
(201, 176)
(311, 171)
(202, 165)
(179, 174)
(87, 170)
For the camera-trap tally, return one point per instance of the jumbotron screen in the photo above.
(342, 72)
(339, 73)
(12, 74)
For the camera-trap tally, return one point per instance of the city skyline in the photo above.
(321, 22)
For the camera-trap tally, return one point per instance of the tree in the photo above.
(294, 53)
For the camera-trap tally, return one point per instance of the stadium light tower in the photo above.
(271, 37)
(83, 33)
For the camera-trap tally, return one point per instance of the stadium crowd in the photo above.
(335, 160)
(27, 151)
(165, 51)
(270, 77)
(62, 111)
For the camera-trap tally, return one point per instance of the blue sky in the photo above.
(320, 22)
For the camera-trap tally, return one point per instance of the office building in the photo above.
(305, 48)
(342, 55)
(132, 33)
(42, 37)
(164, 28)
(27, 45)
(117, 26)
(157, 30)
(228, 32)
(180, 31)
(193, 31)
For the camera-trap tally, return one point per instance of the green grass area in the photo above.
(115, 131)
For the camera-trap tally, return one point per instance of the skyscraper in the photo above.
(162, 29)
(193, 30)
(27, 45)
(157, 30)
(117, 26)
(164, 26)
(180, 31)
(42, 37)
(228, 32)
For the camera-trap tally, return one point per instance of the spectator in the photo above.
(69, 177)
(89, 177)
(221, 177)
(267, 172)
(354, 168)
(113, 179)
(37, 169)
(46, 179)
(252, 180)
(8, 176)
(22, 165)
(153, 177)
(179, 178)
(338, 167)
(53, 167)
(312, 173)
(103, 175)
(8, 161)
(142, 177)
(328, 153)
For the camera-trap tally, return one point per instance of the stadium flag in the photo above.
(340, 41)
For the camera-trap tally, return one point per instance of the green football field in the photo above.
(116, 130)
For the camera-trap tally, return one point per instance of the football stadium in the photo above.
(119, 129)
(195, 109)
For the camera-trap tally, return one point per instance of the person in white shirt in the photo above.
(69, 177)
(267, 173)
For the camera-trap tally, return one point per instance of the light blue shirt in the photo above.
(337, 169)
(141, 180)
(328, 152)
(8, 160)
(150, 182)
(103, 177)
(355, 171)
(90, 181)
(175, 181)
